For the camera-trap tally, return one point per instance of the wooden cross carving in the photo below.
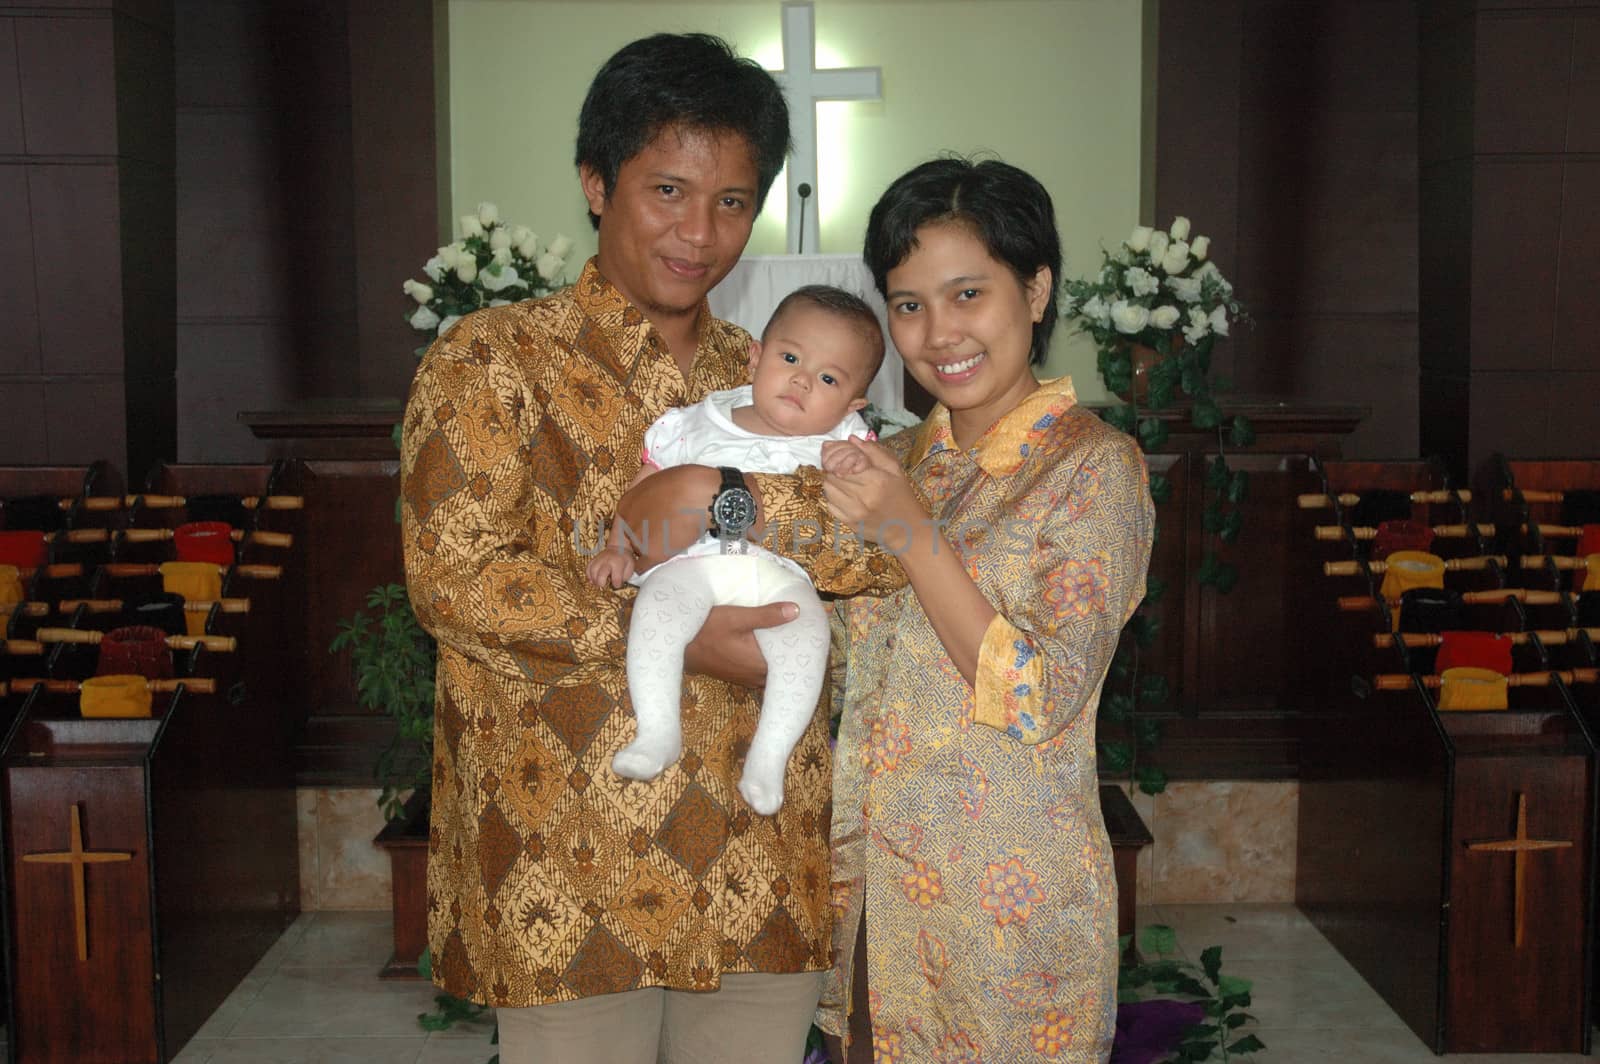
(1519, 847)
(78, 857)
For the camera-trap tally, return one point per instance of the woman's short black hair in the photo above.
(690, 79)
(1005, 207)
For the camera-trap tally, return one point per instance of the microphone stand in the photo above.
(805, 193)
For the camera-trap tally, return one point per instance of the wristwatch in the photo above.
(733, 511)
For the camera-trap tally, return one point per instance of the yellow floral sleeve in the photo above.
(1044, 655)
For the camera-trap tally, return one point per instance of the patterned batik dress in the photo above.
(967, 822)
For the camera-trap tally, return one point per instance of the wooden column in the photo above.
(1232, 671)
(350, 478)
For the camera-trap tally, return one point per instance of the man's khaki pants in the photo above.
(752, 1019)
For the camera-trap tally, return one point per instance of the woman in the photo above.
(969, 849)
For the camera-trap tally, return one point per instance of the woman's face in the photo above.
(963, 323)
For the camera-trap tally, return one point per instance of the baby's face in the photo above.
(809, 372)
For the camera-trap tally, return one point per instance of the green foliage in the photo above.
(1145, 628)
(1117, 707)
(1153, 433)
(1153, 688)
(1205, 414)
(1156, 971)
(448, 1011)
(1116, 756)
(1158, 291)
(1151, 780)
(1121, 417)
(394, 662)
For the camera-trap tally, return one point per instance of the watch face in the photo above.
(734, 511)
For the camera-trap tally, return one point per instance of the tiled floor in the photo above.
(315, 998)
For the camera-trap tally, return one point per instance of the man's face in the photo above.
(678, 218)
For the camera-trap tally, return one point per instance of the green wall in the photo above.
(1053, 86)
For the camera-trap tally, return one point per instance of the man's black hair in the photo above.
(693, 80)
(1006, 208)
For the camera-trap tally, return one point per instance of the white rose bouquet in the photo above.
(1155, 310)
(1156, 291)
(491, 265)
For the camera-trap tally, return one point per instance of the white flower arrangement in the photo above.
(493, 264)
(1155, 289)
(1158, 292)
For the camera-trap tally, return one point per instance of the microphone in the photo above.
(805, 193)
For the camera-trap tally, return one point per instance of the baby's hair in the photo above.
(848, 307)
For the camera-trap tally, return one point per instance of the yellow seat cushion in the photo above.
(1466, 688)
(114, 696)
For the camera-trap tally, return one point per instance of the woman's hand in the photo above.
(872, 495)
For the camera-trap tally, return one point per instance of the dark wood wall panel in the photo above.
(19, 311)
(1583, 112)
(86, 180)
(68, 85)
(1287, 131)
(1198, 98)
(77, 266)
(296, 169)
(1511, 118)
(1516, 236)
(10, 103)
(396, 169)
(265, 186)
(1577, 317)
(22, 436)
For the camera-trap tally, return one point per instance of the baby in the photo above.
(809, 376)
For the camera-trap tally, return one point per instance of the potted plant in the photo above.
(1155, 310)
(394, 661)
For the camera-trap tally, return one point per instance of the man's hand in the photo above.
(667, 511)
(611, 567)
(670, 509)
(726, 647)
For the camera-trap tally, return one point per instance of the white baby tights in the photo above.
(673, 602)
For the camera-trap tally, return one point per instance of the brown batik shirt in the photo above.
(549, 877)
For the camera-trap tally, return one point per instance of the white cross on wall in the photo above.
(803, 85)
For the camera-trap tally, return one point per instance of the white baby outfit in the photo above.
(675, 597)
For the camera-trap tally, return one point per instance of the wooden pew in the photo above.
(1395, 795)
(216, 773)
(173, 917)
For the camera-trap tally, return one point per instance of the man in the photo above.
(608, 920)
